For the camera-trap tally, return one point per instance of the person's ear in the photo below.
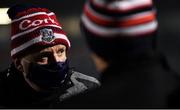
(18, 65)
(100, 63)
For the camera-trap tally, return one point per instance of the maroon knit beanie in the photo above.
(34, 27)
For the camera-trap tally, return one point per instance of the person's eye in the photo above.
(42, 60)
(61, 51)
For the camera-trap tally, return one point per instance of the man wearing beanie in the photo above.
(39, 74)
(122, 37)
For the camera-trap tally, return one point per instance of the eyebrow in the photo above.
(58, 48)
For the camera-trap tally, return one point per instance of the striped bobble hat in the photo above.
(128, 18)
(119, 28)
(33, 27)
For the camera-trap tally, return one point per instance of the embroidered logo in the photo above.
(47, 35)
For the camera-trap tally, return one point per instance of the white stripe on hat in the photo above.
(129, 31)
(108, 18)
(30, 30)
(50, 14)
(31, 15)
(37, 40)
(122, 5)
(90, 10)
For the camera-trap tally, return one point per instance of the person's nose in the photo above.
(55, 58)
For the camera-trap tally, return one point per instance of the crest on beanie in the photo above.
(47, 35)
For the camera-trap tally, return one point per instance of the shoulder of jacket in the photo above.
(79, 83)
(80, 76)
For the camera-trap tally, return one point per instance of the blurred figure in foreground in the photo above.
(122, 35)
(39, 74)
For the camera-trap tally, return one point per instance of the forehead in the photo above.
(47, 49)
(53, 48)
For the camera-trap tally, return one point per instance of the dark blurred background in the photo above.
(68, 13)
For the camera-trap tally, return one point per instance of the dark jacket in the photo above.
(16, 93)
(133, 84)
(174, 99)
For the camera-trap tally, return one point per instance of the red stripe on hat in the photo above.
(119, 23)
(55, 19)
(32, 22)
(96, 19)
(137, 21)
(31, 10)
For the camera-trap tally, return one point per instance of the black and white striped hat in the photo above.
(120, 26)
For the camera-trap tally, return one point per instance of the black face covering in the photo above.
(50, 75)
